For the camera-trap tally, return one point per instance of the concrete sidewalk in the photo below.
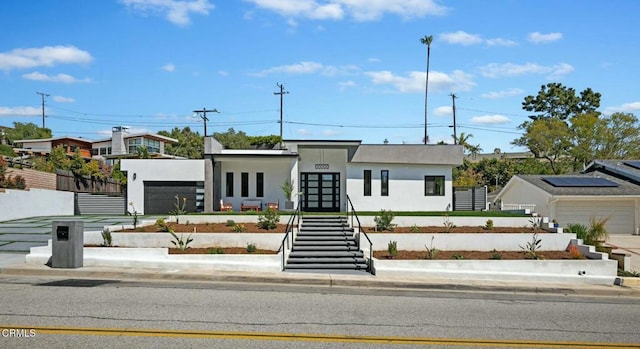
(628, 244)
(629, 288)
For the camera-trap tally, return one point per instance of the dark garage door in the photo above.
(160, 197)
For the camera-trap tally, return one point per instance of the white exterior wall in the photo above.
(17, 204)
(157, 170)
(519, 191)
(276, 171)
(406, 188)
(38, 146)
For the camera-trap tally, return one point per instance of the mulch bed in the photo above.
(475, 255)
(207, 228)
(463, 230)
(218, 250)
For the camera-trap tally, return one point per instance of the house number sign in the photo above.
(322, 166)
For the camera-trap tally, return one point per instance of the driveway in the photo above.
(19, 235)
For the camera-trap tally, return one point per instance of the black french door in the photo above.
(321, 191)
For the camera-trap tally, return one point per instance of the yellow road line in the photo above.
(267, 336)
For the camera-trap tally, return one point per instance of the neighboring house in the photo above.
(498, 154)
(323, 172)
(120, 145)
(606, 189)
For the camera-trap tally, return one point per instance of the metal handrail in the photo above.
(355, 214)
(289, 229)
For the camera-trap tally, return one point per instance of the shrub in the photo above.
(415, 229)
(179, 208)
(163, 225)
(392, 248)
(216, 250)
(448, 225)
(269, 220)
(489, 224)
(496, 255)
(580, 230)
(383, 221)
(106, 238)
(179, 241)
(238, 228)
(536, 224)
(230, 223)
(575, 253)
(457, 256)
(134, 214)
(251, 247)
(597, 233)
(432, 252)
(532, 249)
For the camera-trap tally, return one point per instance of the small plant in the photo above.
(448, 225)
(230, 223)
(238, 228)
(180, 208)
(495, 255)
(269, 220)
(625, 273)
(489, 224)
(536, 224)
(163, 225)
(383, 221)
(415, 229)
(575, 252)
(532, 249)
(597, 233)
(133, 213)
(432, 252)
(251, 247)
(216, 250)
(392, 248)
(106, 237)
(287, 189)
(580, 230)
(179, 241)
(457, 256)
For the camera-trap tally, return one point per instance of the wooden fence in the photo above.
(67, 181)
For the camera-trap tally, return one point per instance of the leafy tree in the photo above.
(549, 139)
(264, 141)
(26, 131)
(621, 137)
(190, 144)
(7, 151)
(143, 152)
(232, 139)
(59, 159)
(118, 175)
(560, 102)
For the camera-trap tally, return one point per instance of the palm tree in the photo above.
(463, 140)
(426, 41)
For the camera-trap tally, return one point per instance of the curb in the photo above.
(334, 280)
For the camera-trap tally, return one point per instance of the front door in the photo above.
(321, 191)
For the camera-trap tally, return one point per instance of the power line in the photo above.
(281, 93)
(44, 96)
(204, 118)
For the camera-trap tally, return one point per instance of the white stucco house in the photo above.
(605, 189)
(323, 173)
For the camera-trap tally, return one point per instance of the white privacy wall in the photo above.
(335, 158)
(157, 170)
(406, 187)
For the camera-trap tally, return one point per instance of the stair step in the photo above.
(316, 254)
(325, 228)
(324, 233)
(326, 260)
(321, 248)
(323, 238)
(360, 266)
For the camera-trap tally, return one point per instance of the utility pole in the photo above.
(281, 93)
(204, 117)
(43, 95)
(455, 135)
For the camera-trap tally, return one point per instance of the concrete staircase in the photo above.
(325, 243)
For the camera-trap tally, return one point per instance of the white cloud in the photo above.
(540, 38)
(500, 42)
(331, 133)
(61, 99)
(502, 94)
(374, 60)
(443, 111)
(496, 119)
(496, 70)
(176, 11)
(223, 73)
(359, 10)
(346, 84)
(462, 38)
(414, 81)
(624, 108)
(20, 111)
(169, 67)
(48, 56)
(63, 78)
(307, 68)
(304, 132)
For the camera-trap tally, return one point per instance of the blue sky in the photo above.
(354, 69)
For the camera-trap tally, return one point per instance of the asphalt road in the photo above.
(59, 313)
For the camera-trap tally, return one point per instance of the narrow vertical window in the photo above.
(367, 182)
(244, 190)
(384, 183)
(259, 184)
(433, 185)
(229, 184)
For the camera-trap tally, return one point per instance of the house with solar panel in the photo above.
(605, 189)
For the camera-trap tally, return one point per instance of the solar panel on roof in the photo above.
(634, 164)
(579, 182)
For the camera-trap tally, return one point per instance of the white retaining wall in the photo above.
(17, 204)
(266, 241)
